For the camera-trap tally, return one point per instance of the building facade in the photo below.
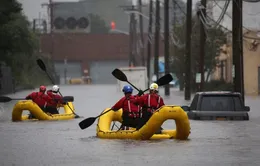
(95, 55)
(251, 57)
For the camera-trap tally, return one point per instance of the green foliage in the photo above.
(98, 25)
(19, 45)
(215, 38)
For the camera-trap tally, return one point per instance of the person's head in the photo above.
(128, 90)
(55, 89)
(154, 88)
(42, 89)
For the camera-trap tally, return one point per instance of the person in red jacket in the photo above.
(40, 98)
(149, 102)
(54, 100)
(130, 110)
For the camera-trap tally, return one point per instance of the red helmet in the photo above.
(42, 88)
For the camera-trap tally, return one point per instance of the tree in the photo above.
(8, 10)
(19, 44)
(215, 38)
(98, 25)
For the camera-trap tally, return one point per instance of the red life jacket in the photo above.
(54, 99)
(39, 98)
(129, 108)
(152, 102)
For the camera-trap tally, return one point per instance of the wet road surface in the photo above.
(64, 143)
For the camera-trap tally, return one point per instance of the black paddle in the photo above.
(5, 99)
(67, 99)
(89, 121)
(43, 67)
(122, 77)
(164, 80)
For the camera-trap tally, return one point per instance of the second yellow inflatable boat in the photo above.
(34, 109)
(164, 113)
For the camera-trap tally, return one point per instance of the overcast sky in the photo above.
(251, 12)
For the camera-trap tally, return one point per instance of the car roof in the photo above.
(218, 93)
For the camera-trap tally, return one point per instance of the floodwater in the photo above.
(64, 143)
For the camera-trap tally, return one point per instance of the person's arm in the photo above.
(59, 100)
(139, 100)
(161, 102)
(118, 105)
(30, 96)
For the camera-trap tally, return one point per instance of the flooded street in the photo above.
(64, 143)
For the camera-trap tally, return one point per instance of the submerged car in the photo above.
(217, 105)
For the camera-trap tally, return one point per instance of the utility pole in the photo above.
(237, 48)
(135, 41)
(188, 50)
(141, 33)
(131, 39)
(157, 38)
(34, 25)
(166, 44)
(174, 51)
(202, 15)
(132, 35)
(149, 43)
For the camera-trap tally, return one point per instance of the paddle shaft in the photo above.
(49, 77)
(104, 113)
(133, 85)
(70, 107)
(18, 99)
(44, 69)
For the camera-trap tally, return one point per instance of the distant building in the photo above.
(251, 49)
(97, 55)
(69, 16)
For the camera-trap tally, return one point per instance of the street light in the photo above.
(136, 12)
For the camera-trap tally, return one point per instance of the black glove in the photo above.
(64, 103)
(140, 93)
(28, 98)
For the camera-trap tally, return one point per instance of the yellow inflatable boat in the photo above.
(164, 113)
(32, 107)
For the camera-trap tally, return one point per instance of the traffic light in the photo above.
(113, 25)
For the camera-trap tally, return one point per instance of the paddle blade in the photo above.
(119, 75)
(41, 64)
(87, 122)
(68, 99)
(4, 99)
(166, 79)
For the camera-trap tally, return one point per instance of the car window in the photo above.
(193, 105)
(217, 103)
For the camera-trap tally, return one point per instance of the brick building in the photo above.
(97, 54)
